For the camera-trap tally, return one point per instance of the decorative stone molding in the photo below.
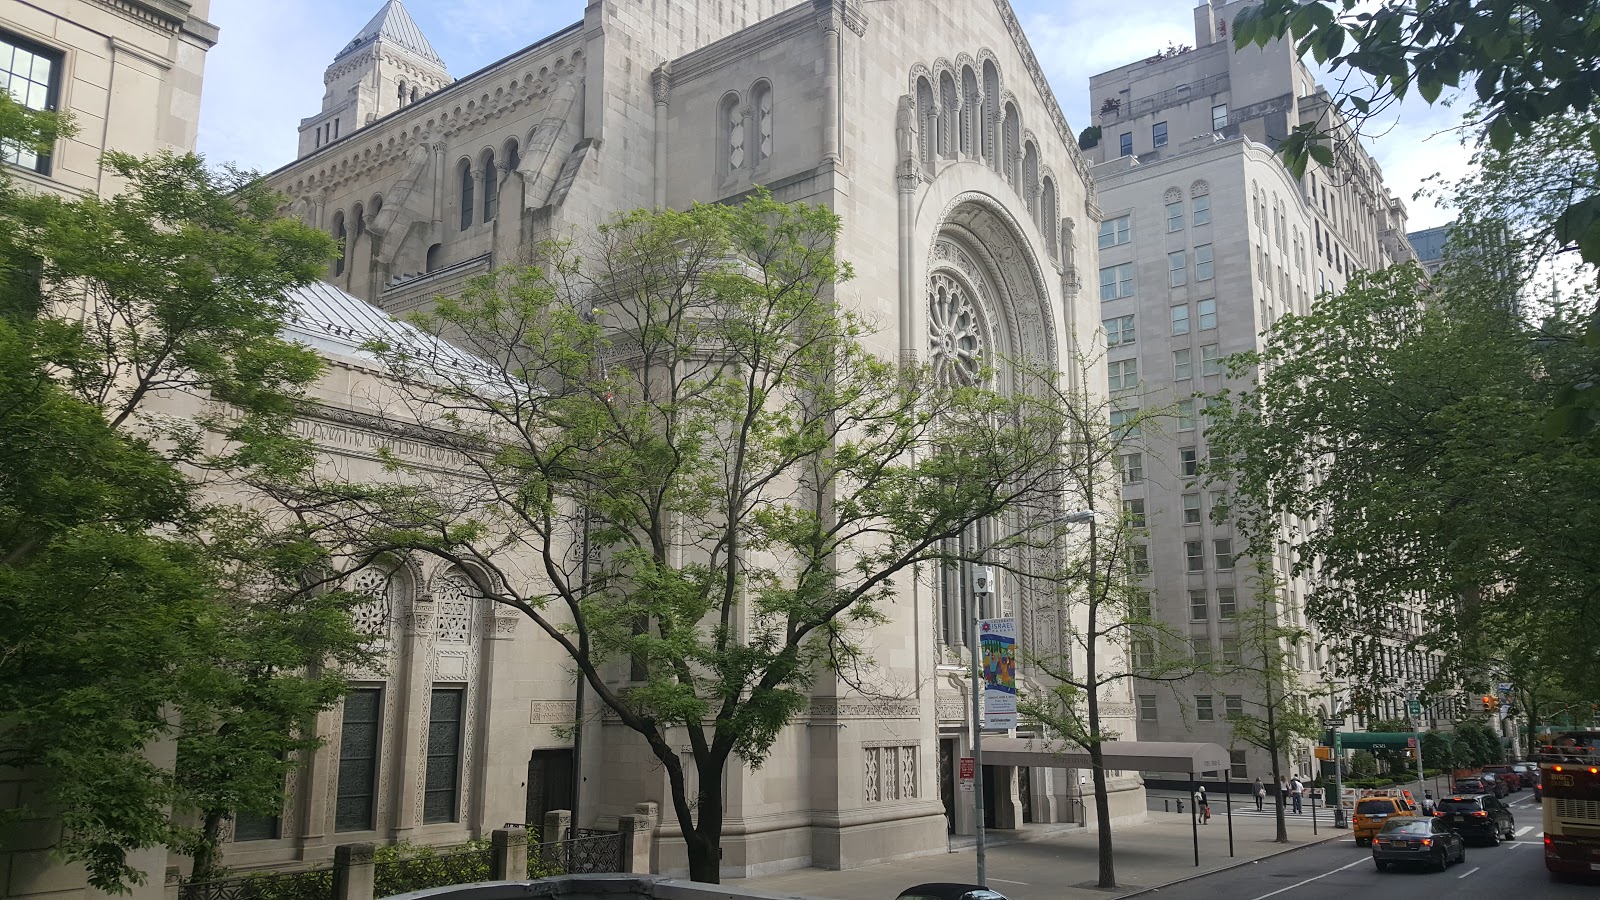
(864, 708)
(661, 83)
(552, 712)
(950, 710)
(1042, 85)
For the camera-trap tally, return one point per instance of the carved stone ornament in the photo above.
(661, 83)
(552, 712)
(864, 708)
(955, 339)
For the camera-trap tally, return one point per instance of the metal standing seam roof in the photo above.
(394, 23)
(334, 322)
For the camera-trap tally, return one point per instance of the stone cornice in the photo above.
(167, 15)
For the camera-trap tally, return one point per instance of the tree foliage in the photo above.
(121, 627)
(680, 395)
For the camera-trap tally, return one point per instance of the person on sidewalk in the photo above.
(1296, 789)
(1202, 809)
(1283, 793)
(1260, 792)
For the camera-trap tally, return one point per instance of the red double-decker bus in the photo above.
(1569, 764)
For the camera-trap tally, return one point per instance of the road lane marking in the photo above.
(1524, 830)
(1309, 880)
(1008, 881)
(1462, 875)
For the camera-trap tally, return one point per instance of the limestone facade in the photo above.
(1206, 240)
(967, 211)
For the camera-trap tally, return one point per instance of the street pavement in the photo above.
(1340, 869)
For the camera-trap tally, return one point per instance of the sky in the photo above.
(266, 74)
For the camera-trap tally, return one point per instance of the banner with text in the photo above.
(998, 640)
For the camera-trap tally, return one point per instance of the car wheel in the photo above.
(1441, 863)
(1494, 839)
(1461, 854)
(1382, 865)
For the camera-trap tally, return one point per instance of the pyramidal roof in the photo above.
(394, 24)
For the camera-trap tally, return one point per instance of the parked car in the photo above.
(948, 890)
(1480, 816)
(1507, 774)
(1371, 814)
(1416, 840)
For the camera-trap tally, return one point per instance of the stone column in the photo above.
(908, 177)
(830, 81)
(661, 90)
(414, 681)
(646, 817)
(508, 858)
(353, 872)
(557, 826)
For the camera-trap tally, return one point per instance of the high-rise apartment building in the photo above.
(1206, 240)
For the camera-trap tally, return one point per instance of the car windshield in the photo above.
(1458, 804)
(1371, 807)
(1407, 826)
(1467, 785)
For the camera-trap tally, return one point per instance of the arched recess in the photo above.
(730, 129)
(971, 111)
(513, 154)
(1048, 216)
(464, 172)
(491, 187)
(928, 122)
(991, 99)
(949, 115)
(358, 224)
(761, 108)
(1030, 178)
(1011, 144)
(340, 242)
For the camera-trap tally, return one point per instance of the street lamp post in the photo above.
(982, 587)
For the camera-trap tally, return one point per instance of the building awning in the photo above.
(1133, 756)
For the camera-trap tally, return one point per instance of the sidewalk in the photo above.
(1063, 865)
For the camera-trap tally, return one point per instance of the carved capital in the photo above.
(661, 83)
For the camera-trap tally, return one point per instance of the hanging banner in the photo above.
(998, 640)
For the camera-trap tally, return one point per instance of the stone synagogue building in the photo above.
(965, 200)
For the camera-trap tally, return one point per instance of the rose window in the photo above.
(955, 337)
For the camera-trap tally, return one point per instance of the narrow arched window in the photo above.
(416, 94)
(491, 187)
(1049, 215)
(433, 257)
(1011, 146)
(991, 99)
(971, 108)
(761, 106)
(928, 121)
(402, 92)
(513, 155)
(358, 224)
(949, 115)
(1030, 179)
(339, 242)
(730, 125)
(466, 194)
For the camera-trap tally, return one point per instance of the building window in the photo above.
(1116, 281)
(1134, 510)
(1185, 415)
(1236, 765)
(1131, 465)
(1139, 559)
(1125, 421)
(1230, 651)
(491, 187)
(1233, 705)
(1191, 509)
(34, 75)
(1143, 653)
(442, 786)
(1219, 117)
(1202, 702)
(1174, 217)
(1210, 359)
(1226, 604)
(1119, 331)
(1180, 320)
(1183, 361)
(1116, 231)
(1177, 269)
(1187, 461)
(248, 826)
(466, 195)
(1123, 374)
(1194, 556)
(340, 244)
(1199, 609)
(1223, 549)
(1208, 313)
(1201, 210)
(1126, 143)
(1158, 134)
(1147, 707)
(358, 760)
(1203, 268)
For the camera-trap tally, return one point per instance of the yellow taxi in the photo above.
(1371, 813)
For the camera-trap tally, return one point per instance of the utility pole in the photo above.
(982, 585)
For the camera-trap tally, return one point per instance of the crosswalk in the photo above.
(1248, 810)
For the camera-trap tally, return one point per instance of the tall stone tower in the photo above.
(387, 66)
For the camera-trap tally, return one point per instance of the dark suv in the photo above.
(1507, 774)
(1477, 816)
(1477, 785)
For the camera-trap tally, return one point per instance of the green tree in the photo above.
(1277, 713)
(115, 622)
(681, 396)
(1439, 750)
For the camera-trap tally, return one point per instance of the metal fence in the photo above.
(592, 852)
(313, 884)
(430, 870)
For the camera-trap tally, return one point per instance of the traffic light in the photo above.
(1490, 702)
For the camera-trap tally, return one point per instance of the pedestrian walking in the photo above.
(1202, 808)
(1296, 789)
(1260, 792)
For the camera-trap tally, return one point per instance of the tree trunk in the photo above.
(1277, 770)
(1102, 809)
(705, 847)
(205, 853)
(1102, 803)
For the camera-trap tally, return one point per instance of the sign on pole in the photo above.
(969, 772)
(1411, 743)
(1332, 723)
(1413, 708)
(998, 638)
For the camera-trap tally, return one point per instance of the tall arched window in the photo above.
(416, 93)
(730, 124)
(358, 224)
(491, 187)
(466, 194)
(971, 109)
(513, 155)
(402, 92)
(991, 99)
(1051, 218)
(949, 115)
(1011, 146)
(1030, 179)
(927, 121)
(339, 242)
(761, 107)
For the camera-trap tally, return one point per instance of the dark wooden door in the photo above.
(947, 782)
(549, 784)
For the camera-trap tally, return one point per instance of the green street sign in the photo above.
(1413, 708)
(1376, 740)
